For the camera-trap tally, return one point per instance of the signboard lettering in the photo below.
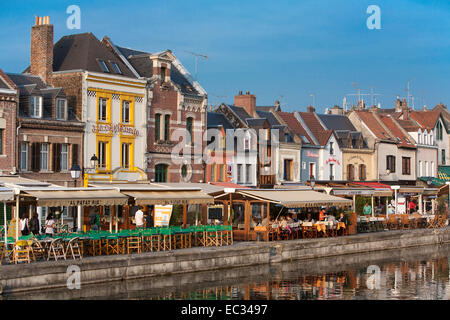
(162, 215)
(114, 129)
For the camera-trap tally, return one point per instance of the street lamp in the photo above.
(75, 172)
(94, 161)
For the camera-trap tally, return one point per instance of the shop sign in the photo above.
(333, 160)
(115, 128)
(353, 192)
(86, 202)
(162, 215)
(312, 154)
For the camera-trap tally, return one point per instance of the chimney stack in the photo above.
(41, 63)
(247, 101)
(310, 109)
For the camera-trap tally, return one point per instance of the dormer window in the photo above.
(61, 109)
(103, 65)
(36, 107)
(116, 67)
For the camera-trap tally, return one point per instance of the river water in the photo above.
(413, 273)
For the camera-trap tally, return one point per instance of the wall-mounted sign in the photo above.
(312, 154)
(333, 160)
(114, 129)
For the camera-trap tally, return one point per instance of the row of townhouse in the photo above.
(90, 103)
(397, 145)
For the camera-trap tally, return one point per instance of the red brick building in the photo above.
(176, 106)
(8, 109)
(49, 134)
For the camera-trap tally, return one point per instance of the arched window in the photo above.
(362, 172)
(350, 172)
(189, 129)
(161, 172)
(425, 138)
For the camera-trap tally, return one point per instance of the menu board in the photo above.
(162, 215)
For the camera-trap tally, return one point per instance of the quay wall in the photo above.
(95, 270)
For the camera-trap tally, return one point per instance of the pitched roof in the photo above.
(371, 121)
(336, 122)
(408, 125)
(426, 118)
(295, 126)
(269, 116)
(241, 113)
(322, 135)
(142, 63)
(22, 80)
(216, 119)
(83, 52)
(401, 138)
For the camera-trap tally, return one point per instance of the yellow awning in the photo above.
(54, 198)
(163, 197)
(297, 198)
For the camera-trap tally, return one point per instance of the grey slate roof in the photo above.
(26, 80)
(143, 65)
(256, 122)
(336, 122)
(269, 116)
(3, 85)
(216, 119)
(82, 51)
(241, 113)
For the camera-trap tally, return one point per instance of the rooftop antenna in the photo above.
(217, 98)
(408, 91)
(373, 96)
(314, 99)
(358, 94)
(197, 55)
(344, 104)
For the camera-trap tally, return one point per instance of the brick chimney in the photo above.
(310, 109)
(247, 101)
(405, 110)
(41, 63)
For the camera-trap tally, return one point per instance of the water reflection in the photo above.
(423, 279)
(414, 273)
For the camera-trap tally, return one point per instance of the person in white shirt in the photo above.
(24, 229)
(49, 225)
(139, 217)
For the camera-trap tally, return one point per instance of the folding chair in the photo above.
(22, 252)
(74, 248)
(165, 239)
(56, 250)
(212, 238)
(134, 242)
(39, 252)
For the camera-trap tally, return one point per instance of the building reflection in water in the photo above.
(401, 280)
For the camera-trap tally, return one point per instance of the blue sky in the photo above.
(282, 50)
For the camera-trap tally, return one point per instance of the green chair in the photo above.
(211, 236)
(165, 239)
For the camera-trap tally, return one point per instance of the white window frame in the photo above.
(58, 109)
(432, 169)
(33, 100)
(420, 169)
(64, 157)
(102, 154)
(126, 102)
(426, 169)
(314, 170)
(24, 156)
(127, 153)
(44, 153)
(100, 109)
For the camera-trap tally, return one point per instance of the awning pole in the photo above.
(6, 224)
(373, 209)
(17, 217)
(110, 219)
(116, 210)
(79, 215)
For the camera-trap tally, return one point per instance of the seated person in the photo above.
(322, 214)
(331, 218)
(342, 218)
(283, 223)
(309, 218)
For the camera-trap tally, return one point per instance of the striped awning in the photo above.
(93, 197)
(166, 197)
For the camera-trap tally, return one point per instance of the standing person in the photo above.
(412, 207)
(139, 217)
(24, 227)
(34, 224)
(50, 225)
(367, 209)
(94, 221)
(322, 214)
(149, 219)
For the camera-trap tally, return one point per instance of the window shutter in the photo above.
(75, 154)
(57, 157)
(35, 156)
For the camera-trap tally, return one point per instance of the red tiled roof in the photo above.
(372, 123)
(292, 122)
(426, 118)
(409, 125)
(322, 135)
(401, 138)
